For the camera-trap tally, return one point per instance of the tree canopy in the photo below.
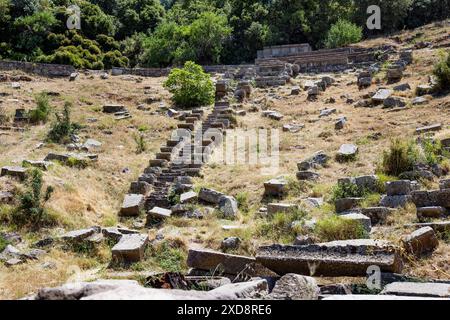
(160, 33)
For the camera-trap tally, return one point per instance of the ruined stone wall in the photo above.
(41, 69)
(161, 72)
(284, 50)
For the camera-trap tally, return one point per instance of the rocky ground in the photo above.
(232, 214)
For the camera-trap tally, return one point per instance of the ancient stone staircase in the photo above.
(184, 154)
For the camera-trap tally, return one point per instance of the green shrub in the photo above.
(343, 33)
(3, 243)
(42, 110)
(281, 227)
(141, 144)
(31, 211)
(347, 190)
(76, 163)
(190, 86)
(170, 255)
(336, 228)
(400, 157)
(62, 128)
(442, 72)
(432, 150)
(242, 200)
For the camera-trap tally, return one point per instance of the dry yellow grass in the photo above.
(93, 196)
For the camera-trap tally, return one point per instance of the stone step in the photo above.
(216, 261)
(333, 259)
(186, 126)
(161, 163)
(164, 156)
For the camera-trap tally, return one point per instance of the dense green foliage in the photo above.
(169, 32)
(190, 86)
(343, 33)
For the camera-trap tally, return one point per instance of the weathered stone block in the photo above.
(217, 261)
(398, 188)
(273, 208)
(417, 289)
(339, 258)
(395, 201)
(16, 172)
(275, 187)
(421, 241)
(346, 204)
(362, 219)
(210, 195)
(130, 248)
(295, 287)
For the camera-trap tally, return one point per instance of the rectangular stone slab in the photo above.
(333, 259)
(217, 262)
(130, 248)
(417, 289)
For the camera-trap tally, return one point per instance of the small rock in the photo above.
(303, 241)
(295, 287)
(417, 101)
(340, 123)
(381, 95)
(230, 243)
(228, 206)
(347, 151)
(188, 197)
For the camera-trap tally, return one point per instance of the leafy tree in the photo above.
(139, 16)
(133, 48)
(393, 14)
(165, 46)
(425, 11)
(207, 34)
(114, 59)
(24, 7)
(5, 18)
(94, 21)
(190, 86)
(342, 34)
(31, 31)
